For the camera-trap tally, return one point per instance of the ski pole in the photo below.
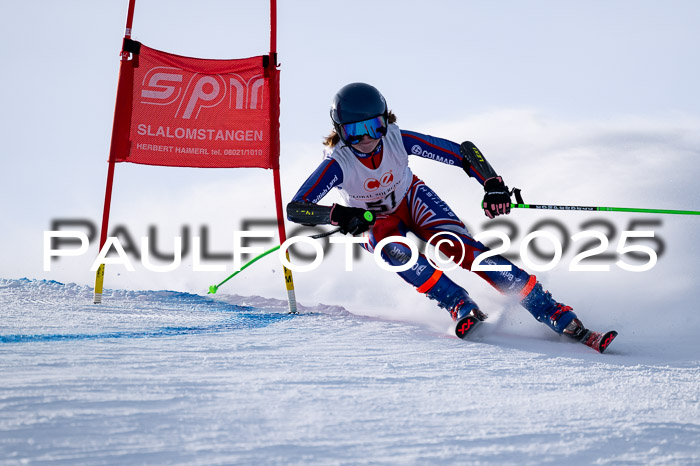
(214, 288)
(603, 209)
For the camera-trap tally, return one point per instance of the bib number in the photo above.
(383, 205)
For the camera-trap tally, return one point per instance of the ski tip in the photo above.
(465, 325)
(606, 339)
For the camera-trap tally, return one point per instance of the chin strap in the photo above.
(362, 155)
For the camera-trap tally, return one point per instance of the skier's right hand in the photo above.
(351, 220)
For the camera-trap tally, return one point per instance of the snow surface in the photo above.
(170, 377)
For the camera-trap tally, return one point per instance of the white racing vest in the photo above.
(378, 189)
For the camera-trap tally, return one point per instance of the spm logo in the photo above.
(166, 87)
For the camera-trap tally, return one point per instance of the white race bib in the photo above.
(378, 189)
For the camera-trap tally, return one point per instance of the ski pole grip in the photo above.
(518, 197)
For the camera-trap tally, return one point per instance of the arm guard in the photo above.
(308, 214)
(474, 160)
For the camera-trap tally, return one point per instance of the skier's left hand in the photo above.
(497, 198)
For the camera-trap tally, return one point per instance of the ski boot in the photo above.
(463, 310)
(561, 319)
(545, 309)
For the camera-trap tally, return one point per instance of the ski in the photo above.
(599, 341)
(465, 325)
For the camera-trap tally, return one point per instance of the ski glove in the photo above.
(351, 220)
(497, 197)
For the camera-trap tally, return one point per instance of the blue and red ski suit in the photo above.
(422, 212)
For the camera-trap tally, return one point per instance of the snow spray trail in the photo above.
(49, 311)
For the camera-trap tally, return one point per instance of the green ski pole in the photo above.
(214, 288)
(603, 209)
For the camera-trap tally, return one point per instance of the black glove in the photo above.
(351, 220)
(497, 197)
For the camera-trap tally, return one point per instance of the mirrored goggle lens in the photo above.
(374, 128)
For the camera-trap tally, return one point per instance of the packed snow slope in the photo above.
(169, 377)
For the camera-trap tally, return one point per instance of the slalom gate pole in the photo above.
(603, 209)
(275, 142)
(114, 146)
(214, 288)
(288, 279)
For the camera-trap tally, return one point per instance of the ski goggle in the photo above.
(374, 127)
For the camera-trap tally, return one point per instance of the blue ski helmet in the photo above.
(359, 109)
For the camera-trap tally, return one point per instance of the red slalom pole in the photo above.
(123, 92)
(273, 27)
(275, 142)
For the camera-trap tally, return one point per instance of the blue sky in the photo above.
(588, 102)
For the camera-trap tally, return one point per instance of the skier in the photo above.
(367, 160)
